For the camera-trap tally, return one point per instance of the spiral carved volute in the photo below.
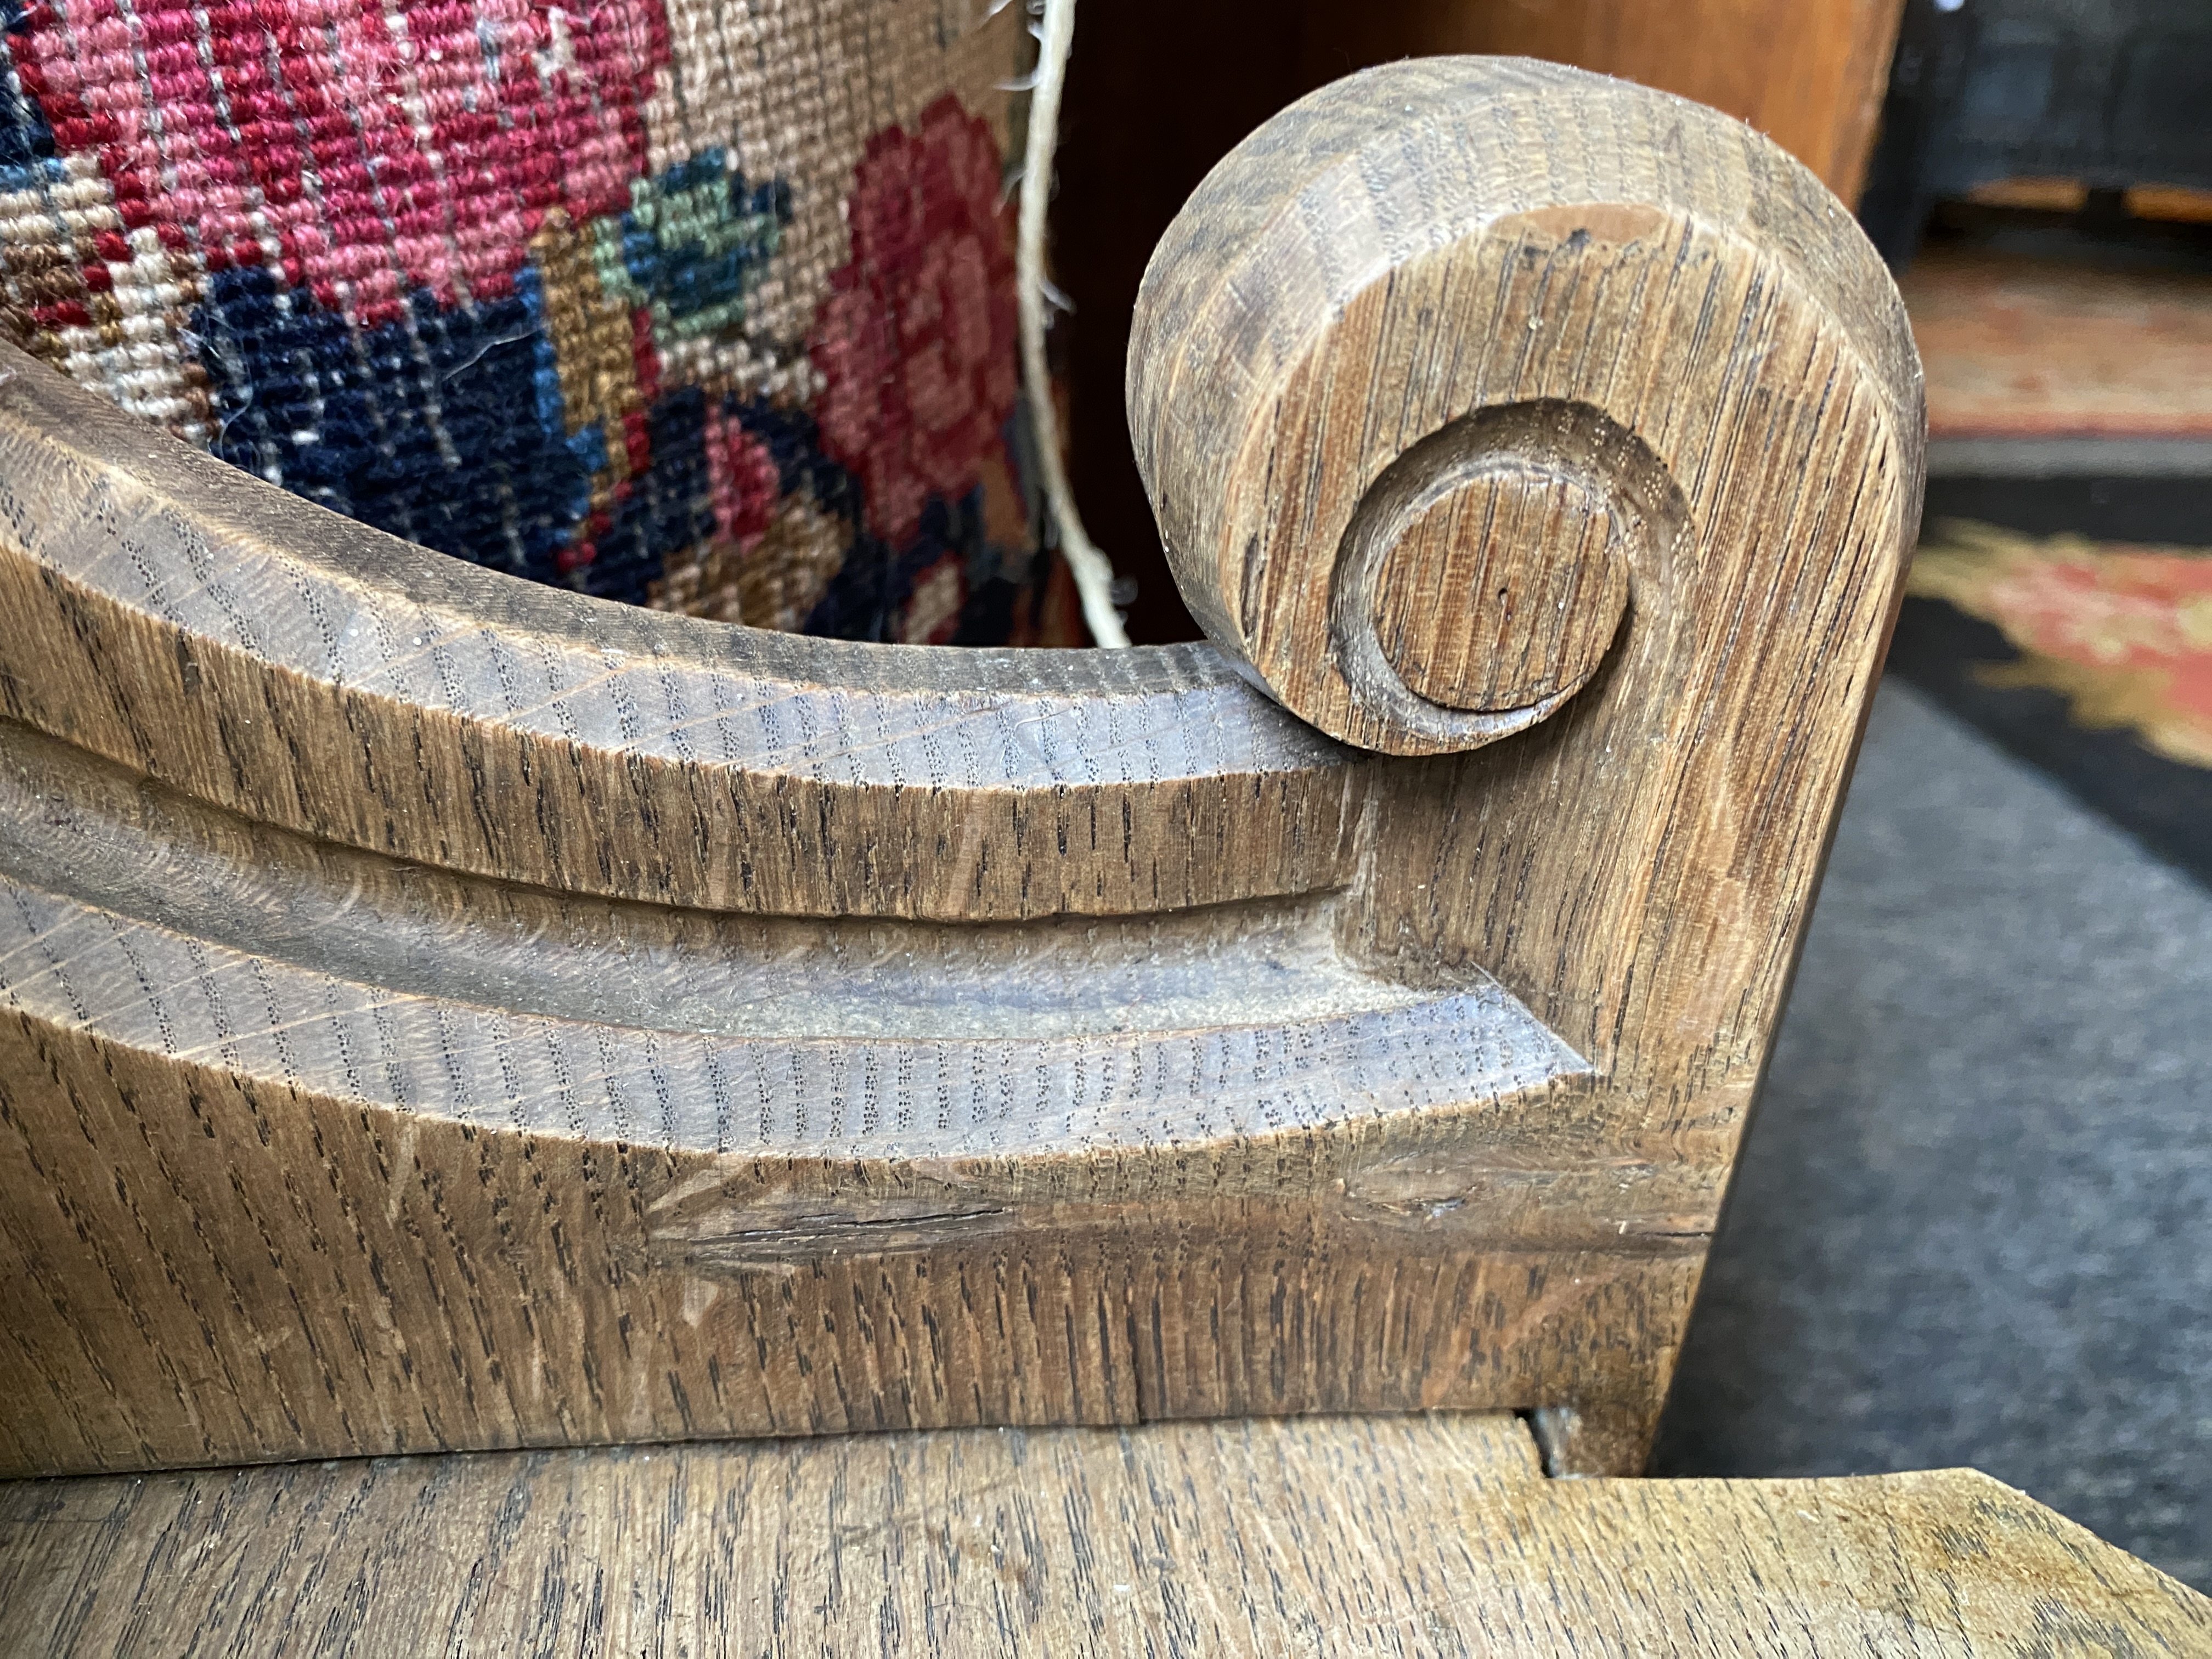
(1419, 421)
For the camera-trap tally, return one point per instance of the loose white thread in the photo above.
(1093, 573)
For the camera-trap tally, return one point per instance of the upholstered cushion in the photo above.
(698, 303)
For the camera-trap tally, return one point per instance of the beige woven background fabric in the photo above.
(695, 302)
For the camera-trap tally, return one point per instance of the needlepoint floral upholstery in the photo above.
(707, 304)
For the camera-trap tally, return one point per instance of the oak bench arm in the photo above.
(1449, 359)
(1476, 393)
(438, 1012)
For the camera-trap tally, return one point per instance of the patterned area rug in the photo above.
(2093, 660)
(1968, 1224)
(2021, 348)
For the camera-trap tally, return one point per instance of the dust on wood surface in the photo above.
(1407, 1535)
(444, 1013)
(181, 618)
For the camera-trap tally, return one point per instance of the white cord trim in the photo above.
(1094, 575)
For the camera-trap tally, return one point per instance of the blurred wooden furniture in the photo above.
(1809, 74)
(448, 1015)
(2102, 97)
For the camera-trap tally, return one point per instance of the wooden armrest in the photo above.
(446, 1013)
(1417, 1534)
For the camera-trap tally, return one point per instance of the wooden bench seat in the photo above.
(1408, 1535)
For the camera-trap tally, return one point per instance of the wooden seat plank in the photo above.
(1412, 1534)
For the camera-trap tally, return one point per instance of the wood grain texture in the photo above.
(1501, 589)
(1678, 311)
(179, 618)
(1415, 1535)
(1385, 300)
(1809, 74)
(201, 1261)
(315, 1153)
(442, 1014)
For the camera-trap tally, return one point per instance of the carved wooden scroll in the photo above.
(444, 1013)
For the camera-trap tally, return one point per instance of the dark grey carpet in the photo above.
(1973, 1221)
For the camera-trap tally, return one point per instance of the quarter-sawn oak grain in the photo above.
(1406, 1535)
(441, 1013)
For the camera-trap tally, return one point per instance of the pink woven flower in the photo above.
(743, 477)
(437, 135)
(917, 343)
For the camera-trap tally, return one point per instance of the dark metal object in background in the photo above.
(2112, 92)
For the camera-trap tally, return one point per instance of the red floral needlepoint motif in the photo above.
(363, 149)
(2124, 632)
(917, 343)
(744, 480)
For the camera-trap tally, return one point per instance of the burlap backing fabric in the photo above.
(697, 303)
